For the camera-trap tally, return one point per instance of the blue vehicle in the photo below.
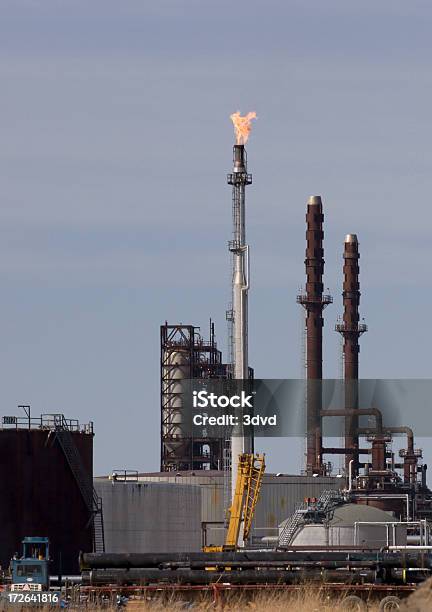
(31, 571)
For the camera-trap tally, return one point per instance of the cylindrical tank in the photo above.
(176, 370)
(40, 495)
(353, 525)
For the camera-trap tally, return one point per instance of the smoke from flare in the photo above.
(242, 126)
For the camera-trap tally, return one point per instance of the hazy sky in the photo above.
(115, 212)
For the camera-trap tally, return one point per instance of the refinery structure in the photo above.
(374, 503)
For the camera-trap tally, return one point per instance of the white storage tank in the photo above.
(176, 370)
(353, 525)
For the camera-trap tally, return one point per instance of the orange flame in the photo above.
(242, 126)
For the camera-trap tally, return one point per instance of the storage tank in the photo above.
(279, 496)
(176, 370)
(150, 517)
(39, 493)
(352, 525)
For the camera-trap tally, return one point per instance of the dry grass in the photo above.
(304, 600)
(307, 600)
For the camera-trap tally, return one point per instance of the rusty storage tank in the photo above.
(45, 487)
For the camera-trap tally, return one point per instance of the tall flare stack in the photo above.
(314, 301)
(239, 178)
(240, 251)
(351, 329)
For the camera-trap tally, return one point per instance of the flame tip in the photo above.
(242, 125)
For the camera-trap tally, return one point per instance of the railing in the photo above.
(124, 476)
(356, 328)
(46, 421)
(304, 298)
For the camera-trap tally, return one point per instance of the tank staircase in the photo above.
(328, 500)
(292, 524)
(88, 492)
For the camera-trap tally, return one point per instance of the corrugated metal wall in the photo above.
(150, 517)
(279, 497)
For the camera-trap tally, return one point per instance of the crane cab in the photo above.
(31, 571)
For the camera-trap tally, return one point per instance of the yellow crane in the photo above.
(249, 479)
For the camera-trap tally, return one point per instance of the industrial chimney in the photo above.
(314, 301)
(351, 329)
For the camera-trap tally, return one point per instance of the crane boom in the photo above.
(250, 473)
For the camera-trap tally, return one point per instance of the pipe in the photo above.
(350, 465)
(358, 412)
(393, 524)
(318, 555)
(410, 459)
(339, 450)
(402, 429)
(386, 496)
(261, 576)
(156, 560)
(410, 548)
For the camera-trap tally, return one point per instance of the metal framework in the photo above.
(239, 178)
(63, 431)
(250, 474)
(185, 355)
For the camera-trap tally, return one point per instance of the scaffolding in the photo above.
(184, 356)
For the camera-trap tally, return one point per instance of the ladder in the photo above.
(291, 526)
(255, 476)
(250, 472)
(83, 480)
(98, 527)
(327, 501)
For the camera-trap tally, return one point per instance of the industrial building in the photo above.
(184, 510)
(184, 354)
(372, 478)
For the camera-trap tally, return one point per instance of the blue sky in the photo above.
(115, 213)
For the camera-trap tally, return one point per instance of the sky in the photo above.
(115, 213)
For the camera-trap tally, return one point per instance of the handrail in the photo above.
(47, 422)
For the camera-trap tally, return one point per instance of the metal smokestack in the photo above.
(351, 329)
(240, 251)
(314, 301)
(239, 160)
(240, 287)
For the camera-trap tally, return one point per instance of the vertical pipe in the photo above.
(314, 301)
(240, 443)
(351, 329)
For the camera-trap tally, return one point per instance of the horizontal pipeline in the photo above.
(414, 558)
(144, 575)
